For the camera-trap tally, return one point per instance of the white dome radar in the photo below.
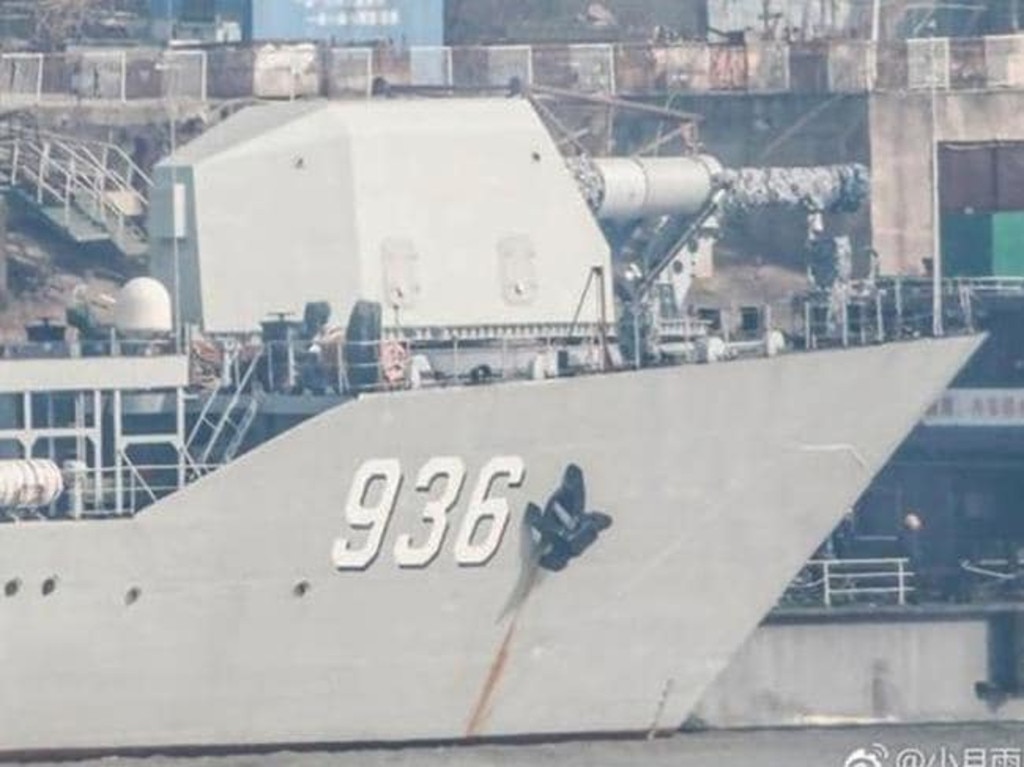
(143, 308)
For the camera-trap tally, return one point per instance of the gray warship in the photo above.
(476, 510)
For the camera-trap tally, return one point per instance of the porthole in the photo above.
(132, 595)
(12, 587)
(49, 585)
(301, 589)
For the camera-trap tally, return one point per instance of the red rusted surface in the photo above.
(517, 602)
(727, 67)
(483, 702)
(684, 67)
(636, 70)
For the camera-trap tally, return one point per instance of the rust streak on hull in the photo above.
(483, 703)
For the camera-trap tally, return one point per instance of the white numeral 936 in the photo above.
(374, 493)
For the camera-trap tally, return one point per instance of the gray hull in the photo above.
(721, 480)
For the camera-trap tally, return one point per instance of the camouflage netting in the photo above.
(830, 261)
(827, 188)
(589, 179)
(823, 188)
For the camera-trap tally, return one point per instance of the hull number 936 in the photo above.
(374, 494)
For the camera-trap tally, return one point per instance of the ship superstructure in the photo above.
(459, 512)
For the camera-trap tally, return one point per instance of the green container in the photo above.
(1008, 244)
(967, 244)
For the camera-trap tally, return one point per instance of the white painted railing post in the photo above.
(39, 78)
(15, 157)
(41, 178)
(612, 71)
(202, 75)
(69, 176)
(901, 577)
(369, 74)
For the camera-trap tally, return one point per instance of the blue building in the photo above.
(403, 22)
(400, 22)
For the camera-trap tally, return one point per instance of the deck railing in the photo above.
(836, 582)
(90, 184)
(303, 69)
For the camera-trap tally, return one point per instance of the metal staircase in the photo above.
(215, 439)
(91, 191)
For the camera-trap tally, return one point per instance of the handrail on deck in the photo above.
(854, 580)
(79, 174)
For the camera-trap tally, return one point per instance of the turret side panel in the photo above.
(475, 197)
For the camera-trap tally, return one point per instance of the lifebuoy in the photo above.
(393, 359)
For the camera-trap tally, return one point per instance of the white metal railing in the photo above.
(92, 347)
(928, 63)
(109, 164)
(100, 75)
(95, 179)
(141, 485)
(397, 361)
(21, 77)
(350, 72)
(993, 570)
(853, 65)
(431, 66)
(95, 492)
(1004, 60)
(829, 582)
(216, 428)
(422, 357)
(872, 311)
(989, 286)
(508, 62)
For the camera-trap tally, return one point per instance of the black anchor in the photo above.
(566, 529)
